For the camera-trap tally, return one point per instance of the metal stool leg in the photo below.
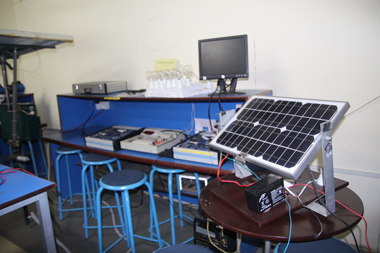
(170, 172)
(128, 219)
(69, 178)
(179, 200)
(152, 206)
(33, 159)
(43, 156)
(99, 219)
(58, 179)
(124, 181)
(170, 189)
(61, 201)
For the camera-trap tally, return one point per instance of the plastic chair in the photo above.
(65, 152)
(170, 172)
(89, 187)
(123, 181)
(329, 245)
(184, 248)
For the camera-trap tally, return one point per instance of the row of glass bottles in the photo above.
(170, 78)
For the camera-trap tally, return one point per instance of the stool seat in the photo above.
(67, 150)
(98, 159)
(328, 245)
(184, 248)
(123, 180)
(168, 170)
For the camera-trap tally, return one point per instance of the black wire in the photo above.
(336, 216)
(220, 105)
(88, 119)
(209, 113)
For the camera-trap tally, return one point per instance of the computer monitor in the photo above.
(222, 59)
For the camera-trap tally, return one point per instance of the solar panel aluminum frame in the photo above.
(340, 108)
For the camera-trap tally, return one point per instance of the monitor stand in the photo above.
(223, 91)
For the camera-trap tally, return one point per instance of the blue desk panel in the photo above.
(136, 111)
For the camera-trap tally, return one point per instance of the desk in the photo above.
(140, 111)
(304, 222)
(136, 111)
(21, 189)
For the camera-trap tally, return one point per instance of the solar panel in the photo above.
(280, 134)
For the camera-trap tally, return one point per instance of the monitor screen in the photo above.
(224, 58)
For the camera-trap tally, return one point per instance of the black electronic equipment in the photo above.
(109, 138)
(223, 238)
(99, 87)
(224, 58)
(196, 149)
(265, 193)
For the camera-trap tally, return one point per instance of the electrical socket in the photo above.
(104, 105)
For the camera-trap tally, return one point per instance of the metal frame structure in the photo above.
(13, 44)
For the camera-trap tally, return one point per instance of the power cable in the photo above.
(336, 216)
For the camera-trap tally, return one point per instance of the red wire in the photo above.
(366, 225)
(6, 171)
(3, 179)
(230, 181)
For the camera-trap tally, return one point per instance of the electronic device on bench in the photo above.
(222, 238)
(196, 149)
(99, 87)
(154, 140)
(109, 138)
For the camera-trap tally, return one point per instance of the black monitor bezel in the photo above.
(223, 76)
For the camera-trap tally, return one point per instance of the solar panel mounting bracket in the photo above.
(327, 172)
(240, 171)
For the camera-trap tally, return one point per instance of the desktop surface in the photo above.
(20, 186)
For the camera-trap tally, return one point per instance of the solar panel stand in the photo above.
(327, 172)
(240, 171)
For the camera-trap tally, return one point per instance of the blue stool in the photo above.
(66, 152)
(88, 162)
(170, 172)
(329, 245)
(123, 181)
(184, 248)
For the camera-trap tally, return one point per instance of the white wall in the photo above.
(7, 15)
(299, 48)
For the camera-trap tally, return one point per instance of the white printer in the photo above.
(100, 87)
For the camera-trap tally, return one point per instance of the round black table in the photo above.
(221, 210)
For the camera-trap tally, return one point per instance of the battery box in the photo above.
(265, 193)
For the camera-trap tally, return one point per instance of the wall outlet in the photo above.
(104, 105)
